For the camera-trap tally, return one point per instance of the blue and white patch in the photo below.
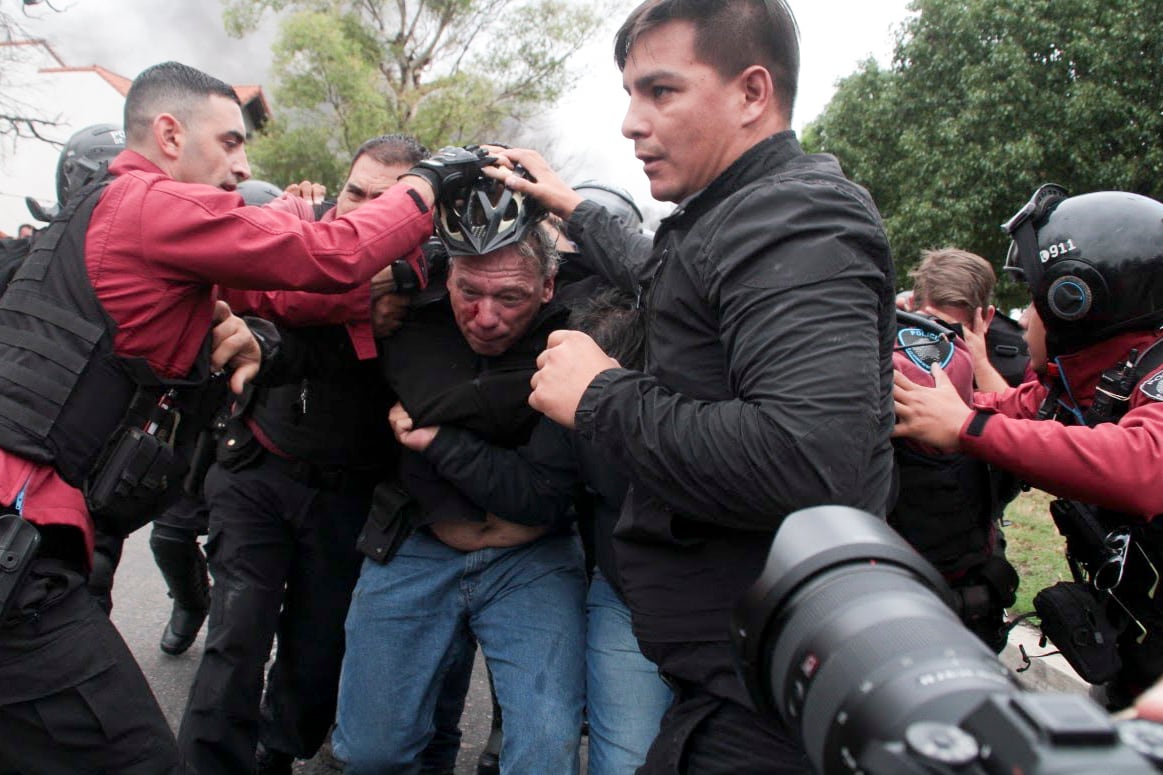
(1153, 387)
(924, 348)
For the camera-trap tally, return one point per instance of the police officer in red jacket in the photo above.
(1094, 266)
(105, 329)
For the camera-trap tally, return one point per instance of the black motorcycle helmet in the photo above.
(617, 200)
(1093, 263)
(87, 153)
(485, 216)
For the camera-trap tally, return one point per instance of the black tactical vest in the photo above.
(63, 392)
(945, 503)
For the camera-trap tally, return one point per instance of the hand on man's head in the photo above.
(451, 168)
(540, 181)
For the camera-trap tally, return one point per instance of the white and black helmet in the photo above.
(485, 216)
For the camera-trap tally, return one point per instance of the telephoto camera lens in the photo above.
(849, 637)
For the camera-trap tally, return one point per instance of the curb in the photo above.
(1044, 673)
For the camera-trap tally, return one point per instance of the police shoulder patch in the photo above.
(1153, 388)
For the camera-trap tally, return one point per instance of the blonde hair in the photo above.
(951, 277)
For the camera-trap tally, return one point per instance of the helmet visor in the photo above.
(1023, 260)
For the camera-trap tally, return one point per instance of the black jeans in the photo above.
(72, 698)
(702, 734)
(283, 559)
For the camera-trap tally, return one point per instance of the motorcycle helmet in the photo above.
(484, 216)
(617, 200)
(86, 154)
(1093, 263)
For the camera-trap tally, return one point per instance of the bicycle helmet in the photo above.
(484, 216)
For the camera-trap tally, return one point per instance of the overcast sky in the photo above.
(583, 131)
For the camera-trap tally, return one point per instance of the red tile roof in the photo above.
(246, 94)
(119, 82)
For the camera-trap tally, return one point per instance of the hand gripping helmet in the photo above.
(87, 153)
(617, 200)
(258, 192)
(484, 216)
(1093, 263)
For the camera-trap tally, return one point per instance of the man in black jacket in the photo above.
(768, 370)
(443, 569)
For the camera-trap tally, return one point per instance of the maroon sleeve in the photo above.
(206, 236)
(1112, 465)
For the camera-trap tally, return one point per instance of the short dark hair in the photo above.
(613, 319)
(392, 149)
(730, 36)
(169, 87)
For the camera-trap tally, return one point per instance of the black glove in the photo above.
(452, 167)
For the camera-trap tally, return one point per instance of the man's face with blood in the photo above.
(495, 297)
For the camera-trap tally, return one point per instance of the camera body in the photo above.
(848, 636)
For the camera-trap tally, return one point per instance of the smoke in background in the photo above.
(128, 36)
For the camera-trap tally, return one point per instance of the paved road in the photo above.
(140, 610)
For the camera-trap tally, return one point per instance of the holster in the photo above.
(238, 449)
(128, 485)
(389, 523)
(1083, 532)
(19, 541)
(1075, 620)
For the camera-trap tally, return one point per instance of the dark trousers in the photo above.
(72, 698)
(283, 559)
(702, 734)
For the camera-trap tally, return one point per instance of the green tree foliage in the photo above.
(987, 99)
(446, 71)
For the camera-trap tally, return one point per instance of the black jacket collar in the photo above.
(760, 159)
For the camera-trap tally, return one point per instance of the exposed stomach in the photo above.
(493, 533)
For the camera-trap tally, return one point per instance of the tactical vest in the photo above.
(945, 503)
(64, 394)
(1132, 565)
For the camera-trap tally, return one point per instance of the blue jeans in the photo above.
(625, 696)
(410, 621)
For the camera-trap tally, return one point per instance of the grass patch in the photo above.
(1034, 547)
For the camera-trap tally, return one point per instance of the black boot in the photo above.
(489, 762)
(268, 761)
(183, 566)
